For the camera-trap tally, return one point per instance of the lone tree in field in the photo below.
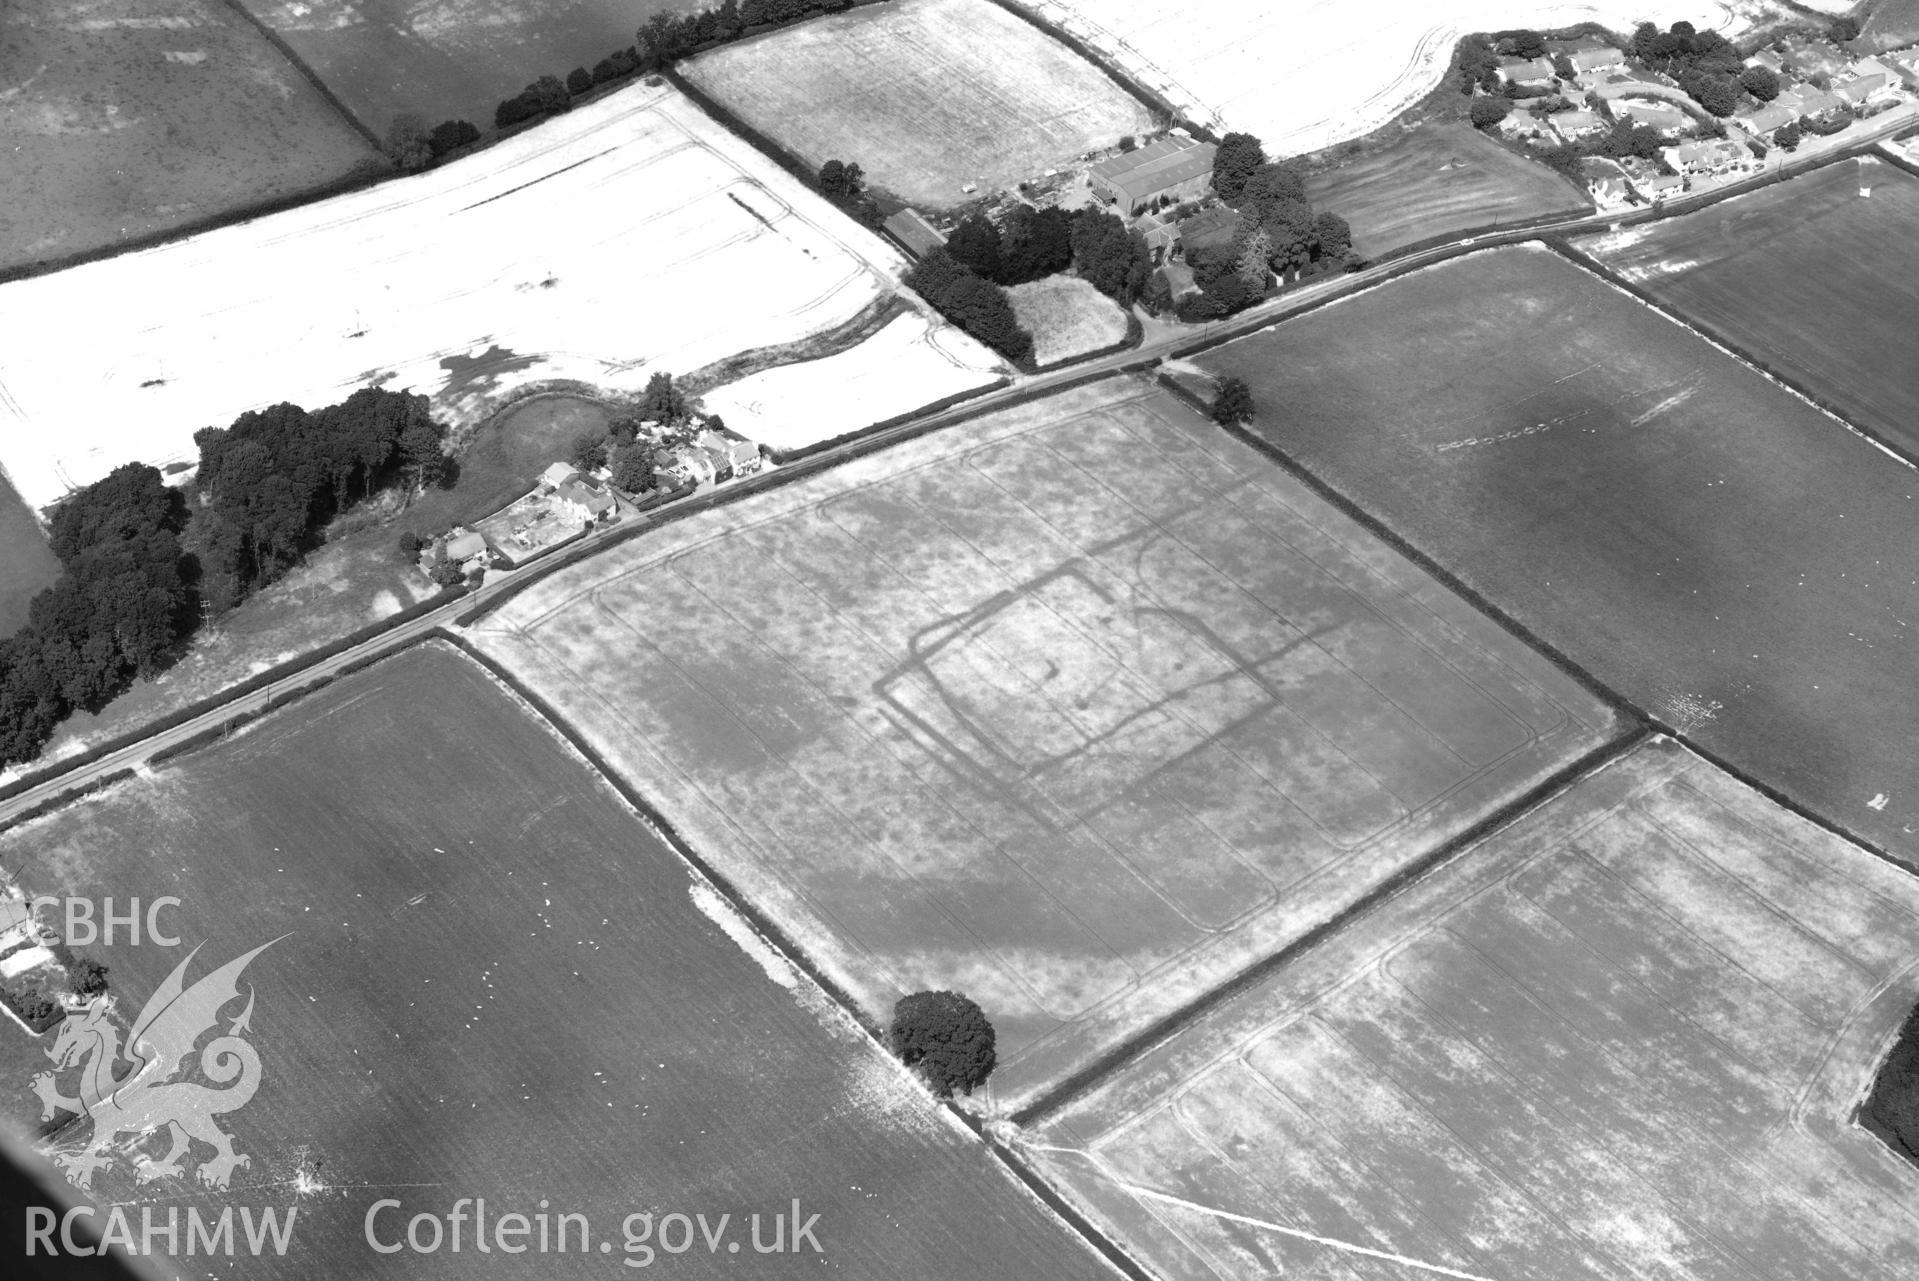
(1233, 403)
(945, 1038)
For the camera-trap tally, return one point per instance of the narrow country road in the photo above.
(1025, 388)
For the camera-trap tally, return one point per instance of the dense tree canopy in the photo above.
(1489, 109)
(1232, 402)
(946, 1038)
(1109, 255)
(976, 305)
(1761, 82)
(1234, 160)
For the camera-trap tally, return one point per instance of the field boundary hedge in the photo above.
(1725, 343)
(1162, 1030)
(299, 64)
(63, 799)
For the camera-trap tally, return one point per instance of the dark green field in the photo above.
(122, 118)
(1818, 282)
(499, 983)
(1720, 552)
(1443, 178)
(445, 59)
(26, 562)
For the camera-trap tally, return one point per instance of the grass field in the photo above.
(27, 564)
(1891, 24)
(122, 118)
(1819, 283)
(497, 982)
(1080, 708)
(1623, 1038)
(1440, 179)
(1067, 317)
(927, 95)
(449, 59)
(1726, 556)
(681, 245)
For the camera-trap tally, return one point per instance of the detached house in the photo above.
(1526, 71)
(735, 457)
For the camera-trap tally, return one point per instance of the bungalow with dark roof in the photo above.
(1173, 167)
(915, 235)
(1525, 71)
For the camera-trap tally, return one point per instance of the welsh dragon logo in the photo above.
(150, 1095)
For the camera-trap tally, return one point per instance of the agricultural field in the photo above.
(449, 59)
(1442, 178)
(1251, 65)
(1622, 1038)
(124, 118)
(1818, 281)
(27, 564)
(487, 977)
(1699, 539)
(914, 359)
(1067, 317)
(1079, 708)
(681, 245)
(927, 96)
(1890, 24)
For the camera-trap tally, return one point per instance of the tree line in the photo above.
(142, 564)
(965, 280)
(1278, 232)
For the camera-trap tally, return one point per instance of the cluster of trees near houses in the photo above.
(144, 563)
(1279, 232)
(635, 462)
(965, 280)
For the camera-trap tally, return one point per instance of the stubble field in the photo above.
(926, 95)
(627, 236)
(123, 118)
(1622, 1038)
(449, 59)
(1080, 709)
(1723, 554)
(1819, 282)
(1252, 65)
(497, 982)
(1441, 179)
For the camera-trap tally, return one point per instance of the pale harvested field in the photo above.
(914, 360)
(123, 118)
(1621, 1039)
(627, 236)
(449, 58)
(927, 95)
(1079, 708)
(1067, 317)
(1299, 82)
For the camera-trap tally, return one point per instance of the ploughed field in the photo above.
(1080, 708)
(926, 95)
(449, 59)
(1622, 1038)
(1441, 179)
(1817, 281)
(123, 118)
(1726, 556)
(497, 982)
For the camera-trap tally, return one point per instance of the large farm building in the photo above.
(1173, 167)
